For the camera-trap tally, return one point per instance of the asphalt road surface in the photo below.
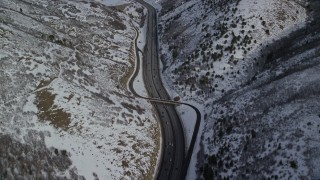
(173, 142)
(174, 161)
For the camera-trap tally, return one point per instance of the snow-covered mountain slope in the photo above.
(271, 127)
(258, 90)
(65, 108)
(209, 47)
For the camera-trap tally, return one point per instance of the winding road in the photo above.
(174, 161)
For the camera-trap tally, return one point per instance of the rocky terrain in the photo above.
(270, 128)
(66, 112)
(252, 67)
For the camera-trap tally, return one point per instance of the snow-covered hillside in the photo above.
(218, 53)
(271, 127)
(65, 107)
(209, 47)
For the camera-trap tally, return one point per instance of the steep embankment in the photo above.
(271, 127)
(65, 112)
(260, 89)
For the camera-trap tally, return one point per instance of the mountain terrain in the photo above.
(66, 112)
(252, 67)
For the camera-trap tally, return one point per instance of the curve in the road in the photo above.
(187, 158)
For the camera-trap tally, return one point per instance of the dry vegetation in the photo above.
(50, 112)
(129, 71)
(20, 161)
(65, 67)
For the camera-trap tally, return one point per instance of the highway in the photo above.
(174, 161)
